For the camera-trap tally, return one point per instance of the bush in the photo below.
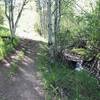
(63, 83)
(63, 39)
(16, 41)
(4, 31)
(5, 45)
(2, 49)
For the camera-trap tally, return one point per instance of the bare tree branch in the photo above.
(9, 12)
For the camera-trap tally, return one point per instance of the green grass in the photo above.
(13, 69)
(63, 83)
(5, 46)
(4, 31)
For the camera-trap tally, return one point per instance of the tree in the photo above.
(57, 18)
(50, 20)
(93, 28)
(50, 33)
(9, 12)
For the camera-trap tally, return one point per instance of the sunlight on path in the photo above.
(28, 20)
(26, 84)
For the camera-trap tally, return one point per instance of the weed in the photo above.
(13, 69)
(63, 83)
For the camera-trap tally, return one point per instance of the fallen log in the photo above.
(71, 57)
(76, 61)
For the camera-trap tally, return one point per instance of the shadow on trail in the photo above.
(26, 84)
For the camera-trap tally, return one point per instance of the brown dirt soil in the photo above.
(26, 84)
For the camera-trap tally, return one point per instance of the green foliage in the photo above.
(4, 31)
(15, 41)
(82, 52)
(2, 49)
(64, 39)
(93, 23)
(63, 83)
(59, 80)
(1, 16)
(37, 28)
(5, 45)
(13, 69)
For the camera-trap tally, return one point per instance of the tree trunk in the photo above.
(50, 33)
(56, 20)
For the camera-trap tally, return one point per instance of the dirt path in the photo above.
(28, 21)
(26, 84)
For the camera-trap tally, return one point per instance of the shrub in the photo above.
(2, 49)
(5, 45)
(63, 83)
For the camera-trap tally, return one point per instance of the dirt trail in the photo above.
(26, 84)
(28, 20)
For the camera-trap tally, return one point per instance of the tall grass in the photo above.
(63, 83)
